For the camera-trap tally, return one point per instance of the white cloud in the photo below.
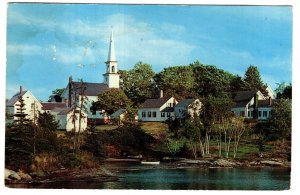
(173, 29)
(23, 49)
(135, 40)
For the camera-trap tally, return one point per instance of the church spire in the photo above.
(111, 52)
(111, 77)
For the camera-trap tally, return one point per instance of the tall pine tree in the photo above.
(253, 81)
(20, 114)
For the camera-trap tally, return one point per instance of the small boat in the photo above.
(150, 162)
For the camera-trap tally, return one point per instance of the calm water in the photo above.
(155, 177)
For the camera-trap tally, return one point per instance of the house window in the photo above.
(168, 114)
(154, 114)
(170, 104)
(248, 113)
(242, 113)
(163, 114)
(143, 114)
(251, 113)
(259, 113)
(174, 104)
(149, 114)
(113, 69)
(265, 113)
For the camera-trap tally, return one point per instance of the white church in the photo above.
(72, 93)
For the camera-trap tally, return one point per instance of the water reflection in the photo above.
(141, 177)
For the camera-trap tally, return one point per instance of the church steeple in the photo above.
(111, 53)
(111, 77)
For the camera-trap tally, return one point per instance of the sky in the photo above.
(47, 43)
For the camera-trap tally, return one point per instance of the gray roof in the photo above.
(266, 103)
(242, 96)
(240, 104)
(185, 103)
(117, 113)
(155, 103)
(15, 98)
(92, 89)
(62, 111)
(52, 105)
(168, 109)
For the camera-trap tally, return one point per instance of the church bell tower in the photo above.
(111, 77)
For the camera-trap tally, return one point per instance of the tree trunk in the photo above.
(201, 148)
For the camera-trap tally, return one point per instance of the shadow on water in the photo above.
(141, 177)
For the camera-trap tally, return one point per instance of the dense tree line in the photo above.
(215, 127)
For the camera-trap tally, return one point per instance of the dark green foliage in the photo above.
(281, 119)
(210, 80)
(216, 109)
(20, 114)
(173, 126)
(131, 135)
(19, 146)
(263, 131)
(47, 121)
(237, 84)
(137, 83)
(284, 91)
(46, 140)
(95, 143)
(253, 81)
(111, 101)
(177, 81)
(58, 91)
(68, 158)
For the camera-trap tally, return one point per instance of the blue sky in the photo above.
(46, 42)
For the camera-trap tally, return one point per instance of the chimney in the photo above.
(161, 94)
(270, 101)
(255, 107)
(21, 89)
(70, 92)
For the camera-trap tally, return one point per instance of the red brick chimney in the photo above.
(21, 89)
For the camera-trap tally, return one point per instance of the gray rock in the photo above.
(9, 174)
(224, 163)
(200, 162)
(271, 163)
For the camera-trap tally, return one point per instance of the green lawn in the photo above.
(154, 127)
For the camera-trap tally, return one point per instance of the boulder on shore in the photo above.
(224, 163)
(24, 176)
(9, 174)
(271, 163)
(198, 162)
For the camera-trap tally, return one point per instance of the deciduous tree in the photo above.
(112, 100)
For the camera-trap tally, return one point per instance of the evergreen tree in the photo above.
(20, 114)
(47, 121)
(253, 81)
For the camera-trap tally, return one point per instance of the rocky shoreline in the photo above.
(106, 175)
